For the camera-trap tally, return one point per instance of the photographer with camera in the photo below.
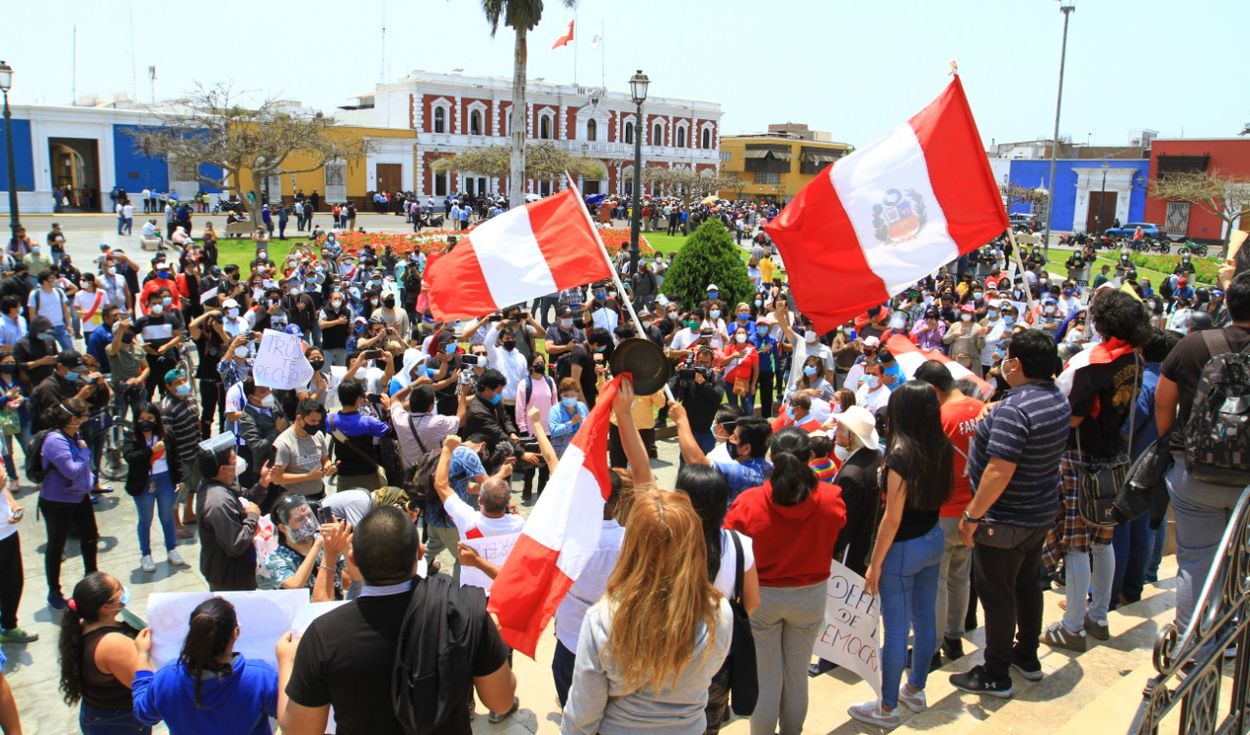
(128, 369)
(698, 389)
(486, 417)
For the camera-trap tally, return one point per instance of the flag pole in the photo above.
(616, 278)
(575, 45)
(1030, 302)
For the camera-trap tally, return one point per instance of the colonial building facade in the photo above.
(452, 113)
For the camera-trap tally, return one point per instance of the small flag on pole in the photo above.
(564, 39)
(597, 40)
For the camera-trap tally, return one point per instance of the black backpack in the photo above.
(1217, 435)
(437, 644)
(35, 471)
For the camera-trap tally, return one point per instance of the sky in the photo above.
(854, 68)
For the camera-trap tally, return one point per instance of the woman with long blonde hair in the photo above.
(648, 650)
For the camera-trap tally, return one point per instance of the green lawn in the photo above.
(1059, 255)
(241, 251)
(664, 242)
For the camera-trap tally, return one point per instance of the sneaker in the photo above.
(57, 602)
(1031, 672)
(176, 559)
(1057, 636)
(497, 717)
(146, 563)
(915, 701)
(1096, 629)
(17, 635)
(952, 648)
(870, 713)
(978, 681)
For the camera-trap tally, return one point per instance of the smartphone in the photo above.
(326, 515)
(372, 354)
(598, 357)
(17, 515)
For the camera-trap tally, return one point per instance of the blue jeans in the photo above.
(63, 337)
(95, 721)
(908, 587)
(1202, 511)
(562, 671)
(163, 498)
(1133, 543)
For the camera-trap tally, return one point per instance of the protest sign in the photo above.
(264, 616)
(280, 363)
(849, 635)
(494, 549)
(209, 295)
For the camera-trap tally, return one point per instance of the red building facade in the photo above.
(1228, 156)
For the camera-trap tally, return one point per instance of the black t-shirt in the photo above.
(579, 355)
(335, 338)
(916, 522)
(211, 350)
(345, 657)
(1184, 365)
(1104, 394)
(300, 310)
(157, 330)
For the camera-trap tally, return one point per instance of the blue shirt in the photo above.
(241, 702)
(100, 338)
(464, 466)
(743, 475)
(768, 360)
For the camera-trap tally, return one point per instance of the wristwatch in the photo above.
(968, 517)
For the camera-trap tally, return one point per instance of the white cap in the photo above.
(872, 342)
(229, 304)
(713, 287)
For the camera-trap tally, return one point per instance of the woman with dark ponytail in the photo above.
(793, 520)
(906, 558)
(210, 689)
(98, 658)
(65, 493)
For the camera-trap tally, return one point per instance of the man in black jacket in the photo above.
(699, 390)
(260, 424)
(227, 520)
(487, 418)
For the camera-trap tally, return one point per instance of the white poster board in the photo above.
(264, 616)
(281, 363)
(849, 635)
(494, 549)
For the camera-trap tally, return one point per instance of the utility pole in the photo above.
(1054, 139)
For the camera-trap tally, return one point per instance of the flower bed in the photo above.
(435, 241)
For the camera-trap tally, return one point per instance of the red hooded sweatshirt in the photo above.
(793, 544)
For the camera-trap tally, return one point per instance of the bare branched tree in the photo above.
(211, 126)
(1226, 197)
(542, 161)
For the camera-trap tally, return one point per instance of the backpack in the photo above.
(420, 484)
(437, 643)
(35, 471)
(529, 386)
(1217, 436)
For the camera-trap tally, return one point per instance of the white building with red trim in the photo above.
(451, 113)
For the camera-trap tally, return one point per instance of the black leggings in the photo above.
(11, 580)
(58, 517)
(212, 399)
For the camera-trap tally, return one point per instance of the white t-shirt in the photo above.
(729, 562)
(48, 305)
(873, 400)
(8, 529)
(86, 302)
(683, 339)
(589, 587)
(472, 523)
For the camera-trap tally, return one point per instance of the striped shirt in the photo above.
(1030, 428)
(182, 426)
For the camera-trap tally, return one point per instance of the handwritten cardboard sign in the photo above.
(849, 635)
(280, 363)
(494, 549)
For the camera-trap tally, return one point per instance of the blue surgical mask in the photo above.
(1009, 320)
(809, 370)
(450, 348)
(872, 381)
(758, 303)
(761, 331)
(713, 294)
(162, 274)
(495, 399)
(714, 314)
(72, 377)
(569, 403)
(168, 300)
(183, 390)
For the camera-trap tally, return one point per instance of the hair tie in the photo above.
(73, 605)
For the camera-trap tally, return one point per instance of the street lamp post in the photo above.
(6, 82)
(1054, 140)
(638, 90)
(1102, 198)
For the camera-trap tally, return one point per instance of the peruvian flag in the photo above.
(890, 213)
(524, 253)
(909, 357)
(560, 536)
(564, 40)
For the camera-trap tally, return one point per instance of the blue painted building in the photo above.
(1089, 194)
(77, 155)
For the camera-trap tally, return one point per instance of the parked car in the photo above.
(1024, 221)
(1149, 229)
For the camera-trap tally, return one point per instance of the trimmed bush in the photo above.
(708, 256)
(1205, 269)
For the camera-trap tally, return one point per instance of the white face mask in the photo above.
(810, 336)
(965, 317)
(740, 337)
(242, 351)
(842, 453)
(232, 313)
(240, 466)
(156, 309)
(268, 401)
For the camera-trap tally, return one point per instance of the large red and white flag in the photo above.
(910, 357)
(524, 253)
(560, 536)
(878, 220)
(564, 39)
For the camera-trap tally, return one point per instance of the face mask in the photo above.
(268, 401)
(713, 294)
(1049, 310)
(183, 390)
(312, 429)
(72, 377)
(125, 598)
(509, 346)
(1009, 320)
(566, 323)
(162, 274)
(540, 369)
(232, 313)
(146, 425)
(740, 337)
(872, 381)
(732, 447)
(761, 331)
(128, 338)
(714, 314)
(842, 453)
(600, 296)
(692, 324)
(242, 351)
(388, 303)
(810, 337)
(156, 309)
(569, 402)
(8, 369)
(743, 317)
(758, 303)
(304, 532)
(991, 315)
(976, 294)
(965, 317)
(809, 370)
(495, 399)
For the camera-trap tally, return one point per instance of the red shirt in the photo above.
(959, 421)
(793, 544)
(156, 284)
(746, 361)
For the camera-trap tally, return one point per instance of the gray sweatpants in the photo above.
(953, 582)
(785, 626)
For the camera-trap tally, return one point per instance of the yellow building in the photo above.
(775, 165)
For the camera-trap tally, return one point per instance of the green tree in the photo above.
(521, 16)
(708, 256)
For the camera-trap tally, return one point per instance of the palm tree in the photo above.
(521, 16)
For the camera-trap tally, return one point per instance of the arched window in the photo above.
(475, 122)
(657, 134)
(592, 130)
(707, 138)
(440, 119)
(681, 137)
(544, 127)
(629, 132)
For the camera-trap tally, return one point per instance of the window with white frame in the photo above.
(592, 130)
(706, 139)
(440, 119)
(545, 124)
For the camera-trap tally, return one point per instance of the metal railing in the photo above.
(1190, 663)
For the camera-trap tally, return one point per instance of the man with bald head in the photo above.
(491, 517)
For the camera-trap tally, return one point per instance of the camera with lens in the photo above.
(687, 372)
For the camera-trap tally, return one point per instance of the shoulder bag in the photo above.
(1099, 482)
(744, 685)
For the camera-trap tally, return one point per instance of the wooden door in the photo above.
(1101, 213)
(390, 177)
